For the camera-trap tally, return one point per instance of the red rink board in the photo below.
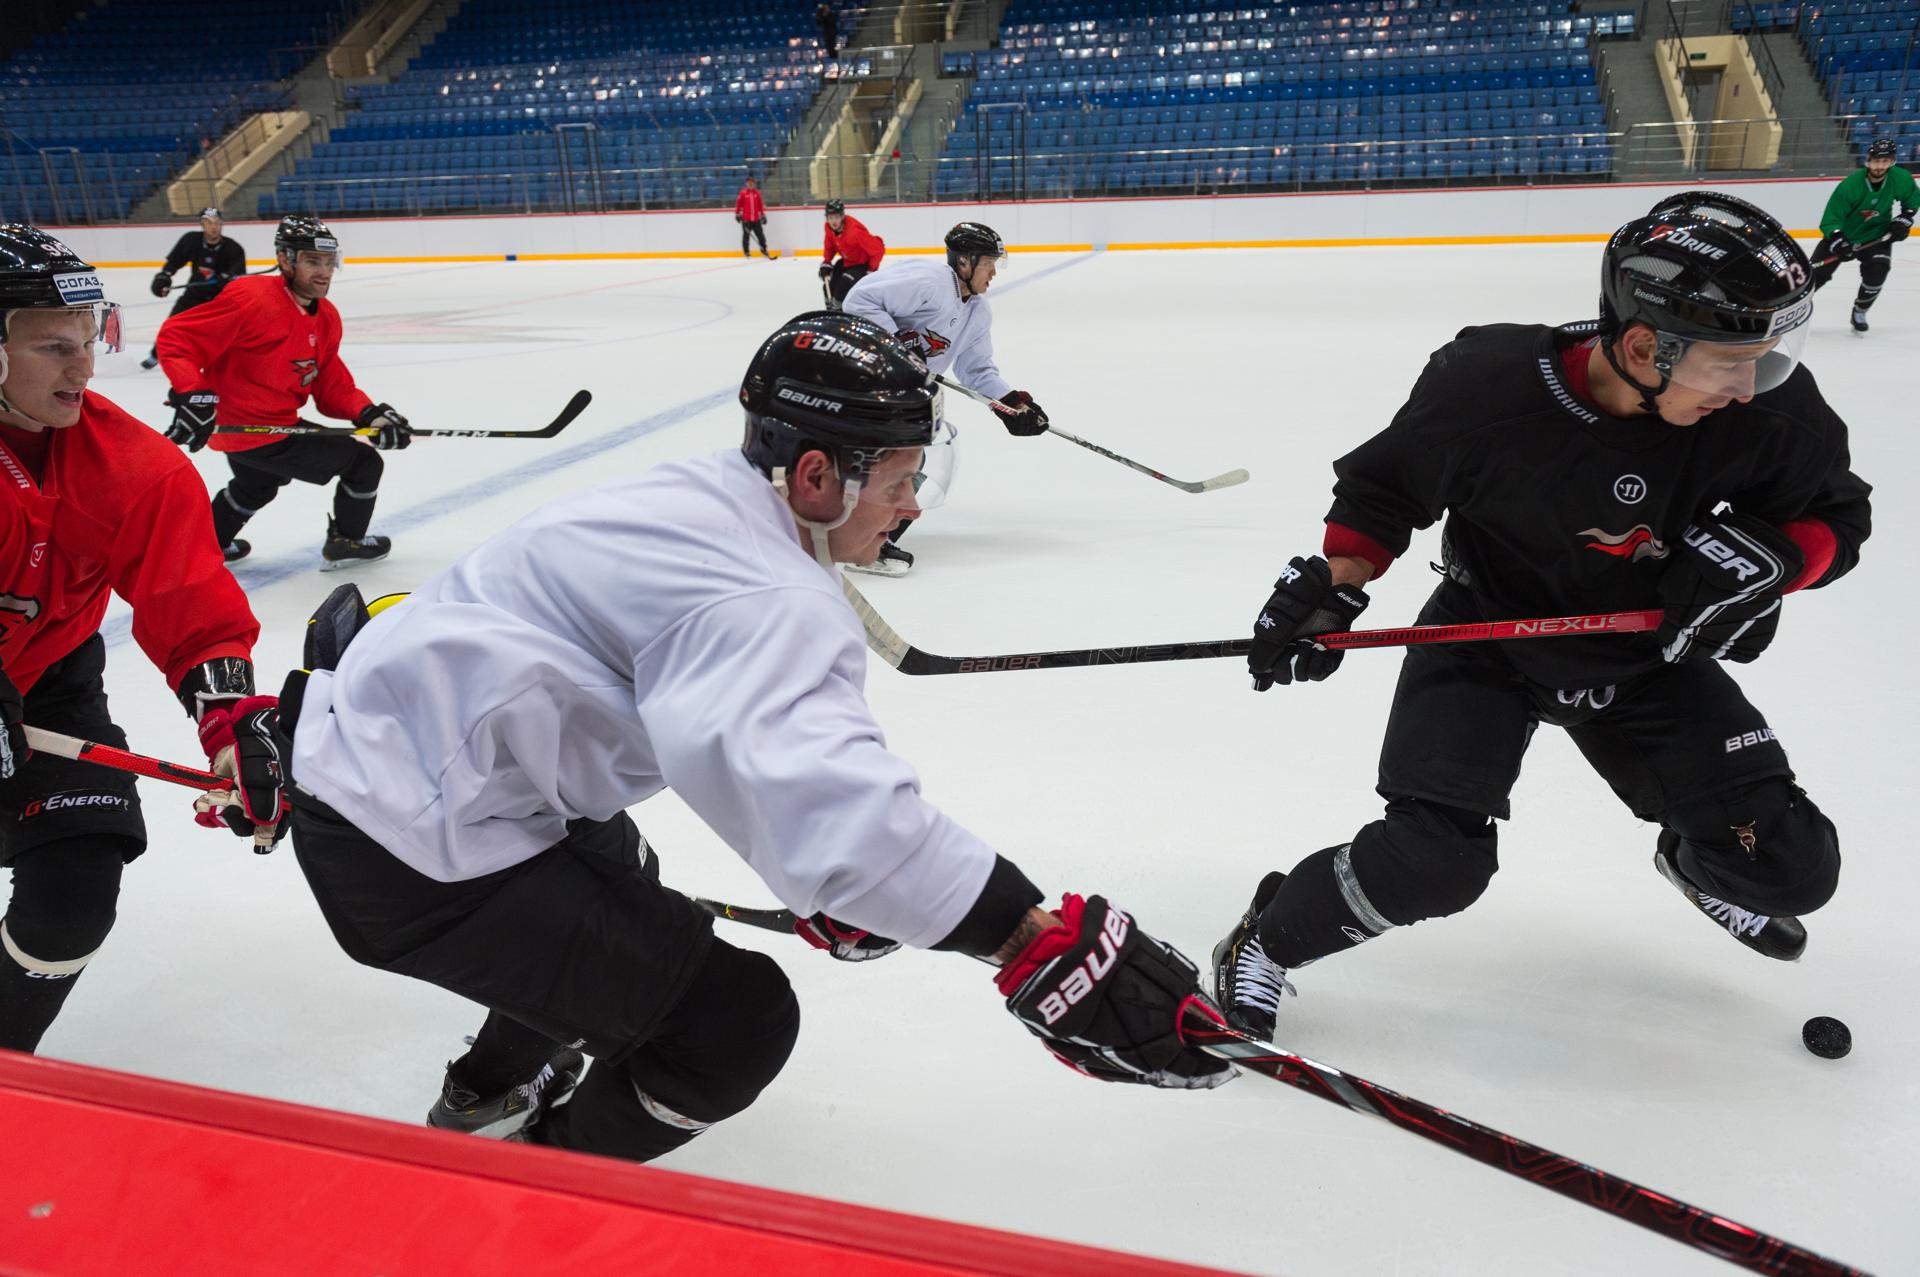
(108, 1173)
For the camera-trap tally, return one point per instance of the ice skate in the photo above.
(1860, 319)
(340, 552)
(1782, 937)
(236, 549)
(507, 1114)
(1247, 984)
(150, 363)
(893, 561)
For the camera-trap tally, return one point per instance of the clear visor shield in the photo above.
(910, 479)
(1738, 371)
(982, 261)
(316, 259)
(98, 330)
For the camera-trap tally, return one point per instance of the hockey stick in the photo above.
(216, 790)
(575, 406)
(1857, 250)
(1230, 479)
(1622, 1198)
(908, 659)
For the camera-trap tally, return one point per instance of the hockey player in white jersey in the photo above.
(462, 772)
(941, 310)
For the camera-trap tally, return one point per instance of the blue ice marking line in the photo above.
(289, 566)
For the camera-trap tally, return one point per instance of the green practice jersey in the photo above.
(1861, 213)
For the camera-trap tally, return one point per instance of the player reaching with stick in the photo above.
(939, 310)
(462, 774)
(851, 252)
(215, 260)
(96, 502)
(1694, 467)
(254, 357)
(1861, 225)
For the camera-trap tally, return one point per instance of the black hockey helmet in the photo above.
(303, 232)
(38, 272)
(1707, 267)
(211, 214)
(973, 239)
(1883, 148)
(830, 381)
(836, 206)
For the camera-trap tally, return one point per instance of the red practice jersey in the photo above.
(748, 206)
(264, 354)
(117, 508)
(855, 244)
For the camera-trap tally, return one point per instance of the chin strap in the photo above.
(816, 531)
(1647, 393)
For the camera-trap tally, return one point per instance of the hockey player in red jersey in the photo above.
(850, 252)
(253, 357)
(92, 501)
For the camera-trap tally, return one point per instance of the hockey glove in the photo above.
(1027, 419)
(1844, 248)
(162, 284)
(846, 943)
(390, 430)
(1722, 590)
(826, 270)
(1106, 999)
(13, 735)
(240, 732)
(193, 413)
(1900, 227)
(1305, 602)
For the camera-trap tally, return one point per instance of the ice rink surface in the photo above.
(1580, 1004)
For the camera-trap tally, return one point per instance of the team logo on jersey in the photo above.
(27, 609)
(308, 369)
(1629, 489)
(1633, 545)
(928, 343)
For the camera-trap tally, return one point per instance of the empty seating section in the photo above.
(128, 91)
(1138, 96)
(677, 101)
(1868, 54)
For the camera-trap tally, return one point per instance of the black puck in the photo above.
(1826, 1037)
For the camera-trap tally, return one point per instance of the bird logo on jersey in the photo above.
(309, 369)
(930, 344)
(1633, 545)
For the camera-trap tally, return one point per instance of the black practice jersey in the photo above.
(217, 262)
(1555, 508)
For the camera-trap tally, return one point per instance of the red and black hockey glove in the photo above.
(1305, 602)
(241, 734)
(845, 943)
(193, 413)
(1723, 587)
(390, 430)
(13, 732)
(1106, 999)
(1028, 418)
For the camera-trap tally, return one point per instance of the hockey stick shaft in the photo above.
(1230, 479)
(574, 408)
(908, 659)
(765, 919)
(219, 788)
(1857, 250)
(1622, 1198)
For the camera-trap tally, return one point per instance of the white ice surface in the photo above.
(1580, 1004)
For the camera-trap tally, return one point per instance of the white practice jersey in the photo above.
(919, 301)
(662, 631)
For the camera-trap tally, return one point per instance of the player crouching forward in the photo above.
(1698, 470)
(940, 311)
(93, 503)
(253, 356)
(684, 629)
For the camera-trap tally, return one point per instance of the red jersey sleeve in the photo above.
(831, 248)
(187, 608)
(334, 391)
(190, 341)
(876, 248)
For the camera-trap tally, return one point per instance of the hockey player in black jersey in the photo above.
(1673, 456)
(215, 260)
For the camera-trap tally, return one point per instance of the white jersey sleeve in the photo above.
(882, 294)
(919, 301)
(973, 365)
(783, 759)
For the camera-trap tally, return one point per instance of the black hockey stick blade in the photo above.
(575, 406)
(1231, 478)
(1749, 1248)
(765, 919)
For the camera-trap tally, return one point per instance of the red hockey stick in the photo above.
(218, 790)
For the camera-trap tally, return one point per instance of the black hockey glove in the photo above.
(193, 413)
(1027, 419)
(1900, 227)
(1106, 999)
(1722, 590)
(13, 733)
(846, 943)
(162, 284)
(1305, 602)
(240, 733)
(390, 430)
(826, 270)
(1844, 248)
